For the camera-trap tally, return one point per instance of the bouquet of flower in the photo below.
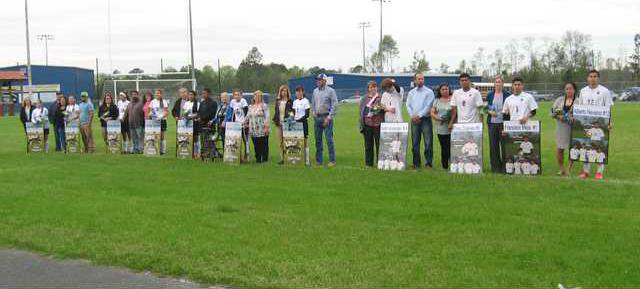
(445, 115)
(558, 113)
(378, 109)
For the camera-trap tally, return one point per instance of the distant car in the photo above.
(541, 97)
(353, 99)
(630, 94)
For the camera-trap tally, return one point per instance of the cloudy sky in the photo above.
(299, 32)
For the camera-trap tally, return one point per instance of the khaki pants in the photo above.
(87, 138)
(281, 139)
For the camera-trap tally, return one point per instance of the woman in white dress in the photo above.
(391, 101)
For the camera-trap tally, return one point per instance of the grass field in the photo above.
(267, 226)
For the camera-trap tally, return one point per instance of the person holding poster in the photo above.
(371, 116)
(122, 104)
(495, 102)
(59, 118)
(160, 111)
(40, 116)
(85, 116)
(237, 112)
(207, 117)
(441, 114)
(107, 111)
(302, 110)
(282, 111)
(25, 112)
(466, 102)
(419, 102)
(324, 106)
(561, 112)
(176, 110)
(192, 97)
(391, 101)
(258, 117)
(135, 118)
(146, 108)
(466, 147)
(520, 106)
(221, 114)
(595, 94)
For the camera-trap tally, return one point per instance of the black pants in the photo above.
(445, 149)
(495, 147)
(371, 144)
(261, 148)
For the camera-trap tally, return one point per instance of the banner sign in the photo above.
(393, 146)
(151, 137)
(590, 134)
(72, 137)
(232, 142)
(466, 148)
(114, 137)
(293, 138)
(521, 143)
(184, 139)
(35, 137)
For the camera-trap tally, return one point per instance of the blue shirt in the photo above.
(85, 109)
(419, 101)
(324, 101)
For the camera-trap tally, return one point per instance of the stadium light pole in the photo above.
(380, 44)
(29, 78)
(46, 38)
(193, 67)
(363, 26)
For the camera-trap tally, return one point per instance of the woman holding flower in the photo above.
(441, 115)
(282, 112)
(371, 116)
(561, 112)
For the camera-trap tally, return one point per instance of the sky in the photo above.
(298, 32)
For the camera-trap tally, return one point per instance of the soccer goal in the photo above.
(170, 83)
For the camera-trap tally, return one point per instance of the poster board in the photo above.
(35, 137)
(232, 142)
(394, 139)
(521, 148)
(184, 139)
(293, 139)
(151, 137)
(72, 137)
(114, 137)
(590, 134)
(466, 148)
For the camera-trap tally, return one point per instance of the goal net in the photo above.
(169, 87)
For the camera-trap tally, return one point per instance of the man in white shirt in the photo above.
(470, 149)
(595, 95)
(520, 106)
(574, 154)
(526, 146)
(583, 154)
(601, 157)
(516, 167)
(454, 167)
(509, 167)
(466, 102)
(526, 168)
(595, 132)
(534, 168)
(160, 111)
(239, 107)
(122, 104)
(592, 155)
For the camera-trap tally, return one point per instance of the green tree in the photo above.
(419, 63)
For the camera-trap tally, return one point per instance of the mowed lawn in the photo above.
(268, 226)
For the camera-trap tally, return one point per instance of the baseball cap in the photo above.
(321, 76)
(84, 94)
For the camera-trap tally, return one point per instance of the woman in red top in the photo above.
(371, 116)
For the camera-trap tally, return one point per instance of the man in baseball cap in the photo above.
(86, 117)
(323, 106)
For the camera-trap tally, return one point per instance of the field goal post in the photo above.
(170, 83)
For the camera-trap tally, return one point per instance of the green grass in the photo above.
(267, 226)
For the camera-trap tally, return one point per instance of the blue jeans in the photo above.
(61, 140)
(422, 129)
(328, 133)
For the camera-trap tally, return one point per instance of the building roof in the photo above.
(12, 75)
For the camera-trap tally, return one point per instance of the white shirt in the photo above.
(395, 146)
(470, 149)
(509, 168)
(574, 153)
(187, 107)
(300, 107)
(238, 109)
(157, 109)
(600, 96)
(461, 168)
(73, 112)
(601, 157)
(467, 105)
(469, 168)
(583, 155)
(596, 134)
(516, 168)
(526, 168)
(476, 168)
(392, 100)
(453, 168)
(592, 155)
(534, 169)
(526, 147)
(41, 115)
(122, 108)
(519, 106)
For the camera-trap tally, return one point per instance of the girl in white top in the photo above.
(160, 111)
(122, 103)
(302, 108)
(391, 101)
(73, 110)
(40, 115)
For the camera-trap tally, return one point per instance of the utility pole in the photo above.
(109, 35)
(30, 79)
(219, 76)
(381, 36)
(363, 26)
(161, 66)
(193, 67)
(46, 38)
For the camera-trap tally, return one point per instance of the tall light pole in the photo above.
(46, 38)
(109, 35)
(363, 26)
(26, 17)
(193, 67)
(380, 44)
